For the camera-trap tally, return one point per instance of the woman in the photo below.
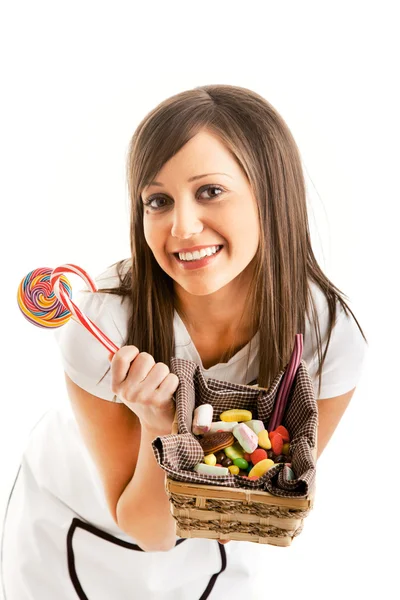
(215, 169)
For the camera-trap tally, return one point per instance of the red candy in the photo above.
(257, 455)
(277, 443)
(284, 433)
(253, 478)
(247, 456)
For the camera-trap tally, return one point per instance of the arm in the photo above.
(143, 510)
(123, 455)
(330, 412)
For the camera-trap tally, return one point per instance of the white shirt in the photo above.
(85, 359)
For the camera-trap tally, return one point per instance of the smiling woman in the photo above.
(221, 273)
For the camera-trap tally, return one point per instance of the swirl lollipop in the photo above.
(44, 298)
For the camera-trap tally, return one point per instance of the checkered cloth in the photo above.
(178, 453)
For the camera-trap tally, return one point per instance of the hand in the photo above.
(144, 386)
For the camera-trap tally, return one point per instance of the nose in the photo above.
(186, 220)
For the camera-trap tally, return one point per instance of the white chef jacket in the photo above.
(59, 539)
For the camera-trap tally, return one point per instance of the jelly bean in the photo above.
(210, 469)
(234, 451)
(277, 443)
(263, 440)
(261, 467)
(255, 425)
(210, 459)
(284, 433)
(254, 478)
(236, 414)
(247, 456)
(241, 463)
(286, 448)
(226, 462)
(234, 469)
(257, 455)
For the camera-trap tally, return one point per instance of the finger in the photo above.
(168, 386)
(156, 376)
(120, 365)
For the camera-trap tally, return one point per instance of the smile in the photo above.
(197, 264)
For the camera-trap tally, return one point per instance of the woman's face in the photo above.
(187, 207)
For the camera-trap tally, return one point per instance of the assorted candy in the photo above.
(239, 444)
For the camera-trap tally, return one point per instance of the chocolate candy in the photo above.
(216, 441)
(220, 456)
(226, 462)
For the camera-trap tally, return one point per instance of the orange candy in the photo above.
(277, 443)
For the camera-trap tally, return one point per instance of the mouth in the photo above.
(199, 263)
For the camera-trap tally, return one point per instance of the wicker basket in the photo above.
(226, 513)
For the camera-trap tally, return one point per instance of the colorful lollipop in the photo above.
(44, 298)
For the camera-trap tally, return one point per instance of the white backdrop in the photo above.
(77, 78)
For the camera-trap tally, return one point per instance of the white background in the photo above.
(76, 80)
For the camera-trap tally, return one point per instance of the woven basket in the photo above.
(225, 513)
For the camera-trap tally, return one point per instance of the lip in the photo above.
(198, 264)
(194, 248)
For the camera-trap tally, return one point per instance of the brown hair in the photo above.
(280, 294)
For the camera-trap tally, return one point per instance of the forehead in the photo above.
(204, 154)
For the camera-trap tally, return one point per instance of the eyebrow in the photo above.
(158, 183)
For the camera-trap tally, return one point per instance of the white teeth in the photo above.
(197, 255)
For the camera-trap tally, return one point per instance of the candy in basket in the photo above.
(269, 435)
(268, 509)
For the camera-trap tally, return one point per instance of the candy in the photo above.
(255, 425)
(216, 441)
(257, 455)
(247, 456)
(36, 300)
(263, 440)
(210, 470)
(277, 443)
(235, 414)
(210, 459)
(289, 473)
(253, 478)
(241, 463)
(202, 419)
(226, 462)
(234, 451)
(284, 433)
(261, 468)
(246, 437)
(234, 470)
(218, 426)
(286, 448)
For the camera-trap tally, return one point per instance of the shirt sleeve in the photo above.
(84, 358)
(345, 358)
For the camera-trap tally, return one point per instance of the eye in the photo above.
(149, 201)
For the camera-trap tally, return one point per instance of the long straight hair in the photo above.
(280, 295)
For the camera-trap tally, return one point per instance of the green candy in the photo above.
(233, 452)
(241, 463)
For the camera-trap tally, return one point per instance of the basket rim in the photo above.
(236, 494)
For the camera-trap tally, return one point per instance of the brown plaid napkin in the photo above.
(178, 453)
